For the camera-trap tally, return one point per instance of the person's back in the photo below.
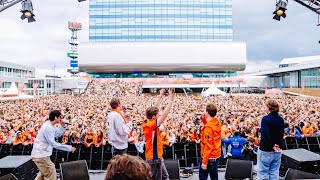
(269, 153)
(272, 129)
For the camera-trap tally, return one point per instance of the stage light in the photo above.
(280, 10)
(27, 11)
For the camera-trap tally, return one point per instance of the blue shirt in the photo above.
(236, 143)
(297, 134)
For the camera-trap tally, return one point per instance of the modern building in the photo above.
(160, 20)
(294, 73)
(166, 38)
(11, 72)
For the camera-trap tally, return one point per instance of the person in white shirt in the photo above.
(44, 144)
(119, 127)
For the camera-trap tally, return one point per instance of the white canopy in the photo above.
(13, 90)
(213, 90)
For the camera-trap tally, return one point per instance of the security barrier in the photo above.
(187, 154)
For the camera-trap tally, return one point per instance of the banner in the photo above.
(272, 91)
(20, 87)
(281, 85)
(302, 86)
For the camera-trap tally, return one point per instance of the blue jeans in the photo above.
(268, 165)
(212, 169)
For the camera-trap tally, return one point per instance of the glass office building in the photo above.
(160, 20)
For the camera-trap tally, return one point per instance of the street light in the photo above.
(27, 11)
(280, 10)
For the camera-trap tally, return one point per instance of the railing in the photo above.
(187, 154)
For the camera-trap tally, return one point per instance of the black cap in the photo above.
(55, 113)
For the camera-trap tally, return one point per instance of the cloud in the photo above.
(297, 35)
(44, 42)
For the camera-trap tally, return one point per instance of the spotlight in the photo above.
(280, 10)
(27, 11)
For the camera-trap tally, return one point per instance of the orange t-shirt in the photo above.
(164, 139)
(224, 132)
(150, 130)
(307, 131)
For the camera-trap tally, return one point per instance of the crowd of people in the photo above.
(20, 121)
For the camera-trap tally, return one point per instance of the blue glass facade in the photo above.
(160, 20)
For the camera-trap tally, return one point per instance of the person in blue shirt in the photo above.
(237, 144)
(291, 131)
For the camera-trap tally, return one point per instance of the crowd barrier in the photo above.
(187, 154)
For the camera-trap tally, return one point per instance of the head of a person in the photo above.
(152, 113)
(211, 111)
(19, 134)
(55, 116)
(127, 167)
(236, 133)
(115, 103)
(273, 106)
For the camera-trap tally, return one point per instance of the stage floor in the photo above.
(100, 176)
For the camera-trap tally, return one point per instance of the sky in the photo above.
(45, 42)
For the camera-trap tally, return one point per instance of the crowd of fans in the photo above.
(88, 115)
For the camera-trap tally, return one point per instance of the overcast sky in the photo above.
(44, 42)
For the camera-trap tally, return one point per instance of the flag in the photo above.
(35, 87)
(20, 87)
(281, 85)
(265, 86)
(302, 86)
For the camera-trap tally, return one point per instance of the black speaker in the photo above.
(74, 170)
(173, 168)
(21, 167)
(239, 169)
(8, 177)
(300, 159)
(296, 174)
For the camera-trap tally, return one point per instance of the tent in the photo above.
(213, 90)
(13, 94)
(12, 91)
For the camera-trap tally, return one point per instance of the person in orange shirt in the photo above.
(224, 135)
(210, 144)
(307, 130)
(89, 138)
(19, 139)
(151, 131)
(164, 139)
(98, 140)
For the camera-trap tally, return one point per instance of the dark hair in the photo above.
(114, 103)
(152, 111)
(53, 114)
(273, 106)
(127, 167)
(236, 133)
(212, 110)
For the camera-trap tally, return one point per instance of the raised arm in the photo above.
(168, 108)
(158, 100)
